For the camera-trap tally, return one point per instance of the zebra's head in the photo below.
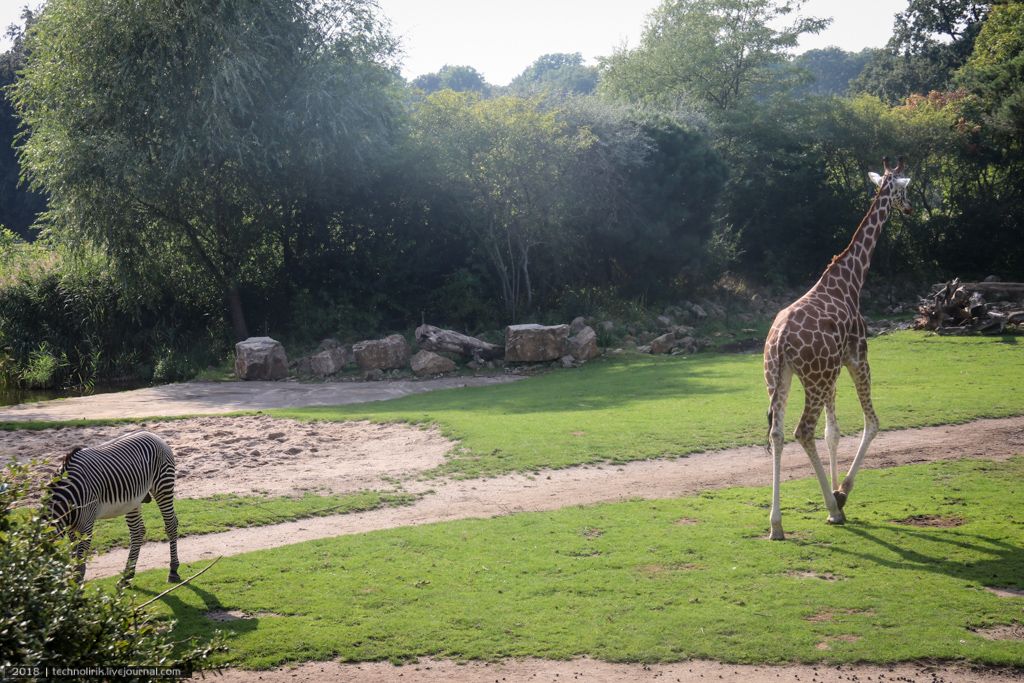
(60, 496)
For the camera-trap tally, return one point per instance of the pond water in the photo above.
(10, 397)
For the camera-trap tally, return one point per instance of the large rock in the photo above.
(382, 354)
(329, 361)
(583, 345)
(447, 341)
(426, 363)
(533, 343)
(663, 344)
(260, 358)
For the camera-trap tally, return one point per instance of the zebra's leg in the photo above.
(136, 534)
(83, 536)
(163, 493)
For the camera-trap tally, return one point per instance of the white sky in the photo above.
(499, 38)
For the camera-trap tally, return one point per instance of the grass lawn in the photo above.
(219, 513)
(646, 581)
(646, 407)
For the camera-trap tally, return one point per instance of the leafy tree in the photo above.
(506, 161)
(457, 78)
(829, 70)
(712, 52)
(164, 128)
(931, 40)
(995, 70)
(18, 206)
(558, 73)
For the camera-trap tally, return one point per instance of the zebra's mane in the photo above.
(67, 458)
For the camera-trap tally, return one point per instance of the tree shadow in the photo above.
(1002, 564)
(195, 621)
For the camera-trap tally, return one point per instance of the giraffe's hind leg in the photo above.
(815, 398)
(832, 444)
(778, 391)
(861, 373)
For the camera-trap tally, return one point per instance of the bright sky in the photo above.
(500, 38)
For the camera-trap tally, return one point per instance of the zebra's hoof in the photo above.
(173, 578)
(840, 498)
(125, 580)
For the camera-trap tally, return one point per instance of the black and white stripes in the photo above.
(114, 479)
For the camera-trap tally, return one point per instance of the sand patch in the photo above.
(940, 521)
(259, 454)
(829, 615)
(1001, 632)
(223, 615)
(806, 574)
(1005, 592)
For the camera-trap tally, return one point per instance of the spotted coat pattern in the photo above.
(814, 338)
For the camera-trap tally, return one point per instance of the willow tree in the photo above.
(161, 128)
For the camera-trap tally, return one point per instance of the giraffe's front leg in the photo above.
(805, 435)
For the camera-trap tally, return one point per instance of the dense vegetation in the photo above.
(294, 184)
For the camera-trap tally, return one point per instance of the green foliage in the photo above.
(268, 104)
(457, 78)
(49, 620)
(713, 53)
(648, 581)
(829, 70)
(931, 40)
(995, 70)
(556, 74)
(635, 408)
(223, 512)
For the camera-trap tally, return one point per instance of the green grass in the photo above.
(642, 407)
(223, 512)
(645, 581)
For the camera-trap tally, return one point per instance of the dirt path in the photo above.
(593, 671)
(994, 439)
(209, 398)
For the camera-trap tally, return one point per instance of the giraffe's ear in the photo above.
(902, 182)
(875, 178)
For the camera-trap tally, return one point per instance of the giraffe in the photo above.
(813, 338)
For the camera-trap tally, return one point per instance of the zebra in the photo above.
(111, 480)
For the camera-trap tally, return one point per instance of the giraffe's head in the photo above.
(896, 182)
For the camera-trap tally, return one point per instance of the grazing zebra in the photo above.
(111, 480)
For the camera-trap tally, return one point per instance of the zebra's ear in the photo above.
(875, 178)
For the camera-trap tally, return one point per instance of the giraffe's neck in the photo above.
(847, 271)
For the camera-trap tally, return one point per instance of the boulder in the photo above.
(663, 322)
(447, 341)
(382, 354)
(426, 363)
(664, 343)
(260, 358)
(533, 343)
(583, 345)
(568, 361)
(329, 361)
(577, 324)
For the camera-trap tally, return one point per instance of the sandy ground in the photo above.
(593, 671)
(450, 500)
(204, 398)
(259, 454)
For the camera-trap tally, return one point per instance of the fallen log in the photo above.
(446, 341)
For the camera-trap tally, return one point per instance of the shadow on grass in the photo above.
(1003, 566)
(192, 621)
(600, 385)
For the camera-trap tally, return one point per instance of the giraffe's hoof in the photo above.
(840, 498)
(173, 578)
(837, 519)
(776, 535)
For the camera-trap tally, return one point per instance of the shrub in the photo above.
(47, 619)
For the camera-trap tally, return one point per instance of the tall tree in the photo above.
(457, 78)
(18, 205)
(931, 39)
(191, 126)
(712, 52)
(558, 73)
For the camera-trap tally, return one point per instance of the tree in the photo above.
(829, 70)
(506, 160)
(931, 40)
(18, 206)
(995, 70)
(558, 73)
(457, 78)
(712, 52)
(166, 128)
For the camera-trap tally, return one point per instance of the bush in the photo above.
(47, 619)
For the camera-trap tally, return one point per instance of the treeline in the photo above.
(262, 167)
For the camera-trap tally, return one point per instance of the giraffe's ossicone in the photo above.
(814, 338)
